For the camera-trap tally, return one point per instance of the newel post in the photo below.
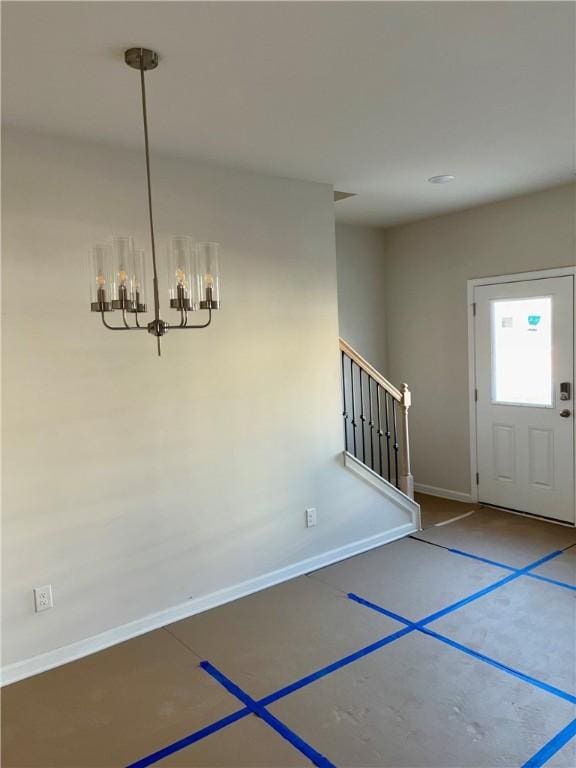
(406, 479)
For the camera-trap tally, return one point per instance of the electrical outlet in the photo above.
(43, 598)
(311, 518)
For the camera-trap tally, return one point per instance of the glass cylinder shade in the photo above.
(181, 274)
(139, 292)
(101, 279)
(209, 278)
(123, 257)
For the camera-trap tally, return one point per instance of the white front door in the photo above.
(524, 355)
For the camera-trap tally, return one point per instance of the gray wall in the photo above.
(361, 304)
(133, 483)
(427, 264)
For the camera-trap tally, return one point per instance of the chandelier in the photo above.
(118, 268)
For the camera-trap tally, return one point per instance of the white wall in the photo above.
(133, 483)
(361, 291)
(427, 265)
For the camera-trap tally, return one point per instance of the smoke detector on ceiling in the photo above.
(444, 178)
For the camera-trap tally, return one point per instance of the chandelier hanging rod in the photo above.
(148, 60)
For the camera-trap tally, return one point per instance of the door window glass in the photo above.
(522, 351)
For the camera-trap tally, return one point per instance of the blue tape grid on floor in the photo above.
(261, 711)
(258, 707)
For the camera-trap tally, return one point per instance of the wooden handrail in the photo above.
(370, 370)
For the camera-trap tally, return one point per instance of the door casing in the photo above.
(495, 280)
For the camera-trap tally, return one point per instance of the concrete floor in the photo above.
(346, 681)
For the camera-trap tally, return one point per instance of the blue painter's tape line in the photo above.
(482, 559)
(503, 667)
(551, 581)
(191, 739)
(556, 582)
(379, 609)
(550, 748)
(541, 561)
(490, 588)
(268, 717)
(319, 674)
(470, 599)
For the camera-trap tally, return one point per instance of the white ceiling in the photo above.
(371, 97)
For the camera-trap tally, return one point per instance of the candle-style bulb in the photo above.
(100, 279)
(209, 275)
(180, 273)
(123, 254)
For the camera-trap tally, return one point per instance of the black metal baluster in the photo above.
(381, 424)
(387, 435)
(380, 433)
(370, 422)
(396, 446)
(362, 417)
(344, 413)
(353, 406)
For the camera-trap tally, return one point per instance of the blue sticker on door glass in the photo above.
(534, 319)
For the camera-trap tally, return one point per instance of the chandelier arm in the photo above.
(136, 319)
(120, 327)
(126, 324)
(149, 185)
(185, 327)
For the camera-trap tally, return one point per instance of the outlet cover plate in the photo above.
(311, 517)
(43, 600)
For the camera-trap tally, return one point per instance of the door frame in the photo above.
(540, 274)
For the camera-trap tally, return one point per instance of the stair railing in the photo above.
(376, 420)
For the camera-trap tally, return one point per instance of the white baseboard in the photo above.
(45, 661)
(444, 493)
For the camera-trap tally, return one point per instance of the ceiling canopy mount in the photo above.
(141, 58)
